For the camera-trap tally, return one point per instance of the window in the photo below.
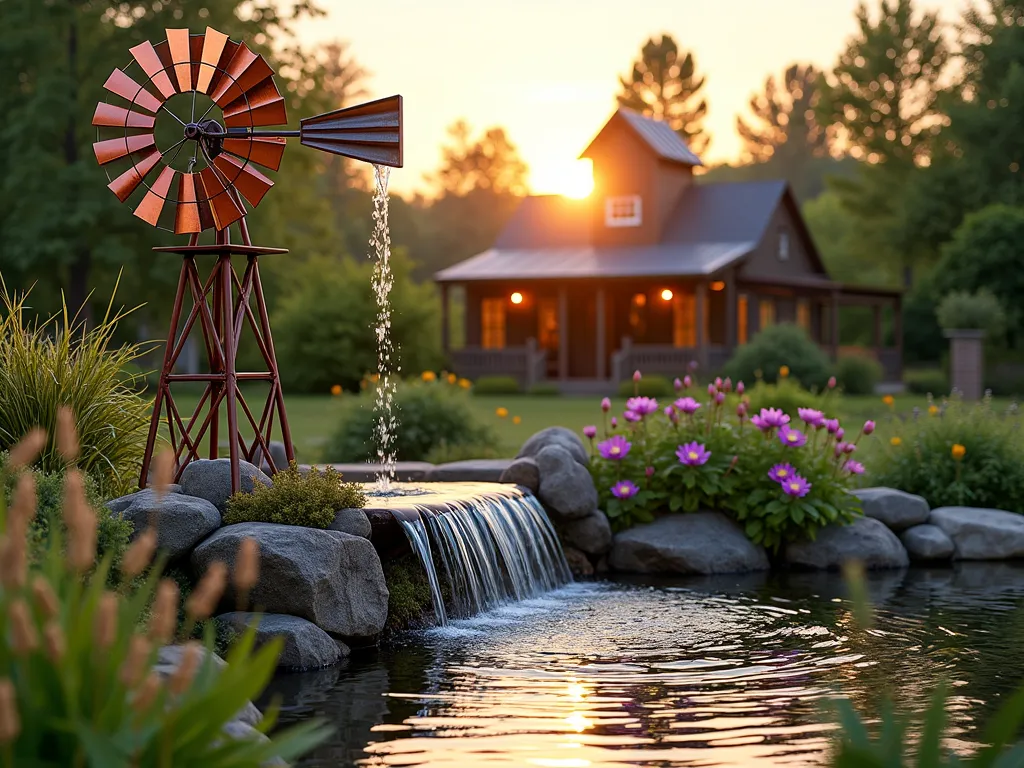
(803, 314)
(624, 211)
(492, 323)
(684, 320)
(638, 316)
(766, 312)
(742, 307)
(783, 245)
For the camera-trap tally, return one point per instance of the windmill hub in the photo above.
(210, 133)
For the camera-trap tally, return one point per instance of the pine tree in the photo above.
(784, 119)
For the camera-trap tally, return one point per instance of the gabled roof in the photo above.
(656, 134)
(549, 237)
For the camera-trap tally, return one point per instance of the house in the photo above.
(650, 272)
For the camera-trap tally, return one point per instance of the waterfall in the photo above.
(385, 422)
(495, 545)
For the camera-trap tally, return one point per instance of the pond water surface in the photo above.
(713, 671)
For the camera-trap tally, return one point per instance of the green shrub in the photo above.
(980, 311)
(858, 374)
(648, 386)
(496, 385)
(928, 381)
(294, 498)
(77, 665)
(44, 365)
(429, 415)
(787, 395)
(916, 456)
(544, 389)
(778, 347)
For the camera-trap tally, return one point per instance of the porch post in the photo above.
(731, 319)
(599, 336)
(876, 310)
(834, 312)
(700, 302)
(563, 334)
(445, 330)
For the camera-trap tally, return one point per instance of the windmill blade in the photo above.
(272, 113)
(370, 132)
(147, 57)
(222, 205)
(262, 151)
(245, 70)
(114, 149)
(152, 204)
(213, 47)
(262, 95)
(252, 184)
(181, 55)
(122, 85)
(186, 217)
(127, 182)
(119, 117)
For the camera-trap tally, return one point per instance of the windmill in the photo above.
(184, 145)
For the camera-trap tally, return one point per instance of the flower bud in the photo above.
(139, 554)
(24, 639)
(606, 405)
(719, 398)
(718, 382)
(10, 721)
(590, 432)
(637, 376)
(869, 427)
(165, 612)
(741, 410)
(831, 382)
(711, 389)
(649, 471)
(615, 422)
(727, 384)
(677, 384)
(687, 382)
(740, 389)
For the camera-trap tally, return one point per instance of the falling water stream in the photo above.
(388, 367)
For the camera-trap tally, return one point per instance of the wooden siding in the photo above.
(764, 261)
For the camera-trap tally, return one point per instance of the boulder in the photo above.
(865, 539)
(591, 534)
(473, 471)
(210, 479)
(353, 521)
(168, 659)
(927, 542)
(560, 436)
(278, 454)
(523, 472)
(982, 534)
(181, 521)
(896, 509)
(701, 542)
(330, 578)
(566, 487)
(578, 562)
(119, 505)
(306, 646)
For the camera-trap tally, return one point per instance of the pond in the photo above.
(709, 671)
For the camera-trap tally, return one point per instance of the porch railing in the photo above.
(527, 364)
(664, 359)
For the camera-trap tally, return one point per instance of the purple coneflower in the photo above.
(632, 416)
(606, 405)
(811, 417)
(687, 405)
(642, 405)
(854, 467)
(590, 432)
(796, 486)
(693, 454)
(614, 448)
(832, 425)
(781, 472)
(624, 489)
(792, 437)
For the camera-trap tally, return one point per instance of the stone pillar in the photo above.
(599, 337)
(966, 366)
(445, 320)
(563, 334)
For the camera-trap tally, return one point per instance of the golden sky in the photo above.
(547, 70)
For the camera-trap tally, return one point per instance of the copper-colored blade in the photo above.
(119, 117)
(264, 93)
(225, 211)
(177, 40)
(213, 47)
(128, 89)
(262, 151)
(205, 212)
(126, 183)
(114, 149)
(186, 217)
(230, 48)
(246, 69)
(244, 177)
(152, 204)
(273, 113)
(149, 60)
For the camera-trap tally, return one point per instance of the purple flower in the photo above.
(869, 427)
(671, 414)
(792, 437)
(719, 398)
(741, 410)
(796, 486)
(624, 489)
(693, 454)
(831, 382)
(780, 473)
(832, 425)
(718, 382)
(642, 405)
(615, 422)
(711, 390)
(854, 467)
(590, 432)
(687, 405)
(687, 382)
(839, 433)
(606, 405)
(632, 416)
(727, 384)
(649, 471)
(614, 448)
(811, 417)
(770, 418)
(840, 447)
(740, 388)
(677, 384)
(849, 447)
(637, 376)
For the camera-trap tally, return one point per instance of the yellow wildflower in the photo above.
(452, 378)
(933, 410)
(428, 376)
(958, 451)
(465, 383)
(784, 371)
(889, 400)
(502, 412)
(895, 441)
(517, 420)
(336, 390)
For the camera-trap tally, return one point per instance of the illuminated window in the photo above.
(492, 323)
(766, 312)
(783, 245)
(803, 314)
(741, 319)
(638, 315)
(684, 320)
(624, 211)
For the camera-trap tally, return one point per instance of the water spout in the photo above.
(388, 367)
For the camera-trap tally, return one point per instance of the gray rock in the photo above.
(306, 646)
(896, 509)
(701, 542)
(278, 454)
(578, 562)
(559, 436)
(353, 521)
(168, 659)
(473, 471)
(566, 487)
(122, 503)
(591, 534)
(982, 534)
(523, 472)
(927, 542)
(181, 521)
(210, 479)
(865, 539)
(330, 578)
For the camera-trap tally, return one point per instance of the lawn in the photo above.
(314, 417)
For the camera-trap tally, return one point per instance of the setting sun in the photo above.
(574, 178)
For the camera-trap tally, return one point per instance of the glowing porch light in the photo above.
(516, 298)
(667, 294)
(718, 285)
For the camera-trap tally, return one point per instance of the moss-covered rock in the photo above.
(409, 603)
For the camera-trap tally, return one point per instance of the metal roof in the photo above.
(668, 144)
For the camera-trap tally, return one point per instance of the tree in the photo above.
(491, 163)
(664, 85)
(784, 120)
